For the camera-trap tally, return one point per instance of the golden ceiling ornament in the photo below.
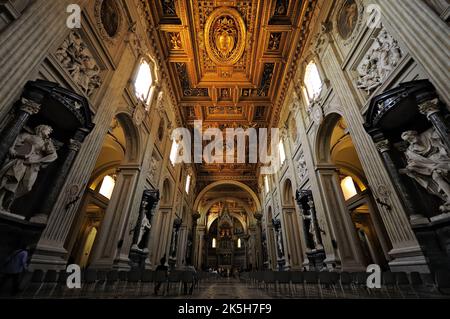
(225, 36)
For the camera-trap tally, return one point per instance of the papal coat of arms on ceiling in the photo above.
(225, 36)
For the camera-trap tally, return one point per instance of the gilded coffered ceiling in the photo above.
(229, 61)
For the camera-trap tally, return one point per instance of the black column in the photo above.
(195, 218)
(404, 193)
(174, 242)
(433, 112)
(15, 126)
(259, 258)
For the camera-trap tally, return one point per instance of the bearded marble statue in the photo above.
(428, 164)
(29, 154)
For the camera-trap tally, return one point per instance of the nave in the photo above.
(295, 143)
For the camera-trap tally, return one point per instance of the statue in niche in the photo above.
(146, 226)
(428, 164)
(312, 231)
(280, 244)
(28, 155)
(153, 168)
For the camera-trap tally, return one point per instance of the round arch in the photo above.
(234, 183)
(323, 137)
(132, 136)
(239, 218)
(166, 195)
(239, 201)
(288, 193)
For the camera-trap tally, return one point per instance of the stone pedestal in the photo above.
(139, 251)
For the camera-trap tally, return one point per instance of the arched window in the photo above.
(174, 152)
(266, 184)
(188, 183)
(282, 152)
(313, 82)
(107, 187)
(239, 243)
(143, 82)
(348, 188)
(214, 243)
(161, 130)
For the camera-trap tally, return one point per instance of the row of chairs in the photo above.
(345, 285)
(108, 284)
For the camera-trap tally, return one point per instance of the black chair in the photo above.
(283, 282)
(133, 283)
(35, 284)
(148, 277)
(112, 280)
(389, 284)
(49, 284)
(89, 280)
(101, 282)
(311, 280)
(297, 279)
(160, 280)
(360, 284)
(327, 284)
(62, 290)
(268, 280)
(404, 286)
(345, 281)
(174, 278)
(123, 282)
(188, 278)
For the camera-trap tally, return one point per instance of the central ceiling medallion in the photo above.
(225, 36)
